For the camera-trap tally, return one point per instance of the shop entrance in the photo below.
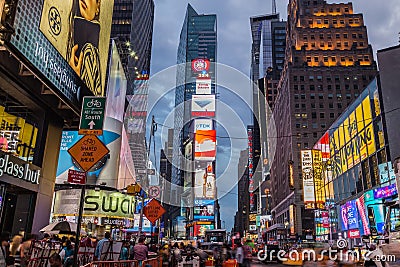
(17, 206)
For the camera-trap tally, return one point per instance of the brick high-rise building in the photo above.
(328, 62)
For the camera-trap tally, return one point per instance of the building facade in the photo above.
(328, 63)
(193, 173)
(356, 163)
(40, 95)
(242, 215)
(268, 53)
(132, 30)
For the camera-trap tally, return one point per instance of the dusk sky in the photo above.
(382, 19)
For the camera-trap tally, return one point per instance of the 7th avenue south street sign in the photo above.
(92, 115)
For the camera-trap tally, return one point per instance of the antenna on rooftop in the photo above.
(273, 7)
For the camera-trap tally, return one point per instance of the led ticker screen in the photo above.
(385, 192)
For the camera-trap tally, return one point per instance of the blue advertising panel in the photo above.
(204, 210)
(385, 192)
(343, 217)
(352, 215)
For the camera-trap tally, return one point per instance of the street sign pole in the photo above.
(141, 218)
(79, 224)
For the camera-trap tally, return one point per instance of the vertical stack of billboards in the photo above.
(202, 113)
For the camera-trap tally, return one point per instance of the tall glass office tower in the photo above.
(195, 102)
(198, 39)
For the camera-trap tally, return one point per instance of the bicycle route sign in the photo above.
(88, 151)
(92, 115)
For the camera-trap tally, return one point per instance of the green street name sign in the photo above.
(92, 115)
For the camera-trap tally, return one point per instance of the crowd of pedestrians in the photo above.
(16, 251)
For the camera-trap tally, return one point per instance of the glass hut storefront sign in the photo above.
(18, 169)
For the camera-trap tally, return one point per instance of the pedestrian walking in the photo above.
(55, 260)
(247, 254)
(141, 251)
(239, 255)
(15, 249)
(99, 247)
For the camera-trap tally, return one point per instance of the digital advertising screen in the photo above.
(204, 212)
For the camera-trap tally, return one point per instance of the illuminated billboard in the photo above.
(292, 219)
(80, 31)
(204, 211)
(205, 145)
(203, 124)
(203, 86)
(203, 106)
(308, 179)
(45, 35)
(97, 203)
(17, 136)
(353, 140)
(113, 142)
(204, 185)
(200, 65)
(200, 230)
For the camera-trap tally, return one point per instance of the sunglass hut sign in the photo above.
(11, 166)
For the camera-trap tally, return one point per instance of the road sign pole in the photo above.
(79, 224)
(141, 218)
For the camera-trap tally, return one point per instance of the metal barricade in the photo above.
(41, 251)
(155, 262)
(121, 263)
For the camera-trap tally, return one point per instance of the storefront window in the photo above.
(374, 170)
(366, 175)
(18, 129)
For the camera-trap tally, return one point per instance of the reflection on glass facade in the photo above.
(356, 158)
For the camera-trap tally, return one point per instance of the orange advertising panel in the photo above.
(205, 146)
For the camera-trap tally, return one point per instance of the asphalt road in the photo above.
(256, 263)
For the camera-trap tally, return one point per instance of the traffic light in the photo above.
(133, 189)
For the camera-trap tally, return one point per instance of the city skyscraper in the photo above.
(132, 29)
(268, 53)
(194, 111)
(328, 62)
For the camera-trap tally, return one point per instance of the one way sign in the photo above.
(92, 115)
